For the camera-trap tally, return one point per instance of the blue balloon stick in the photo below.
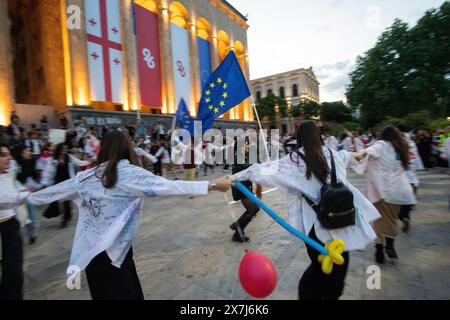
(279, 220)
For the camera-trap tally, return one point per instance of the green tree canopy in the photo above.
(407, 71)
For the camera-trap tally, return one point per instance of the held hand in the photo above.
(223, 184)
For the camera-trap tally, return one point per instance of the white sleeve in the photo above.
(66, 191)
(143, 153)
(375, 149)
(279, 173)
(78, 162)
(12, 200)
(142, 183)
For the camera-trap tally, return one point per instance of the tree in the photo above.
(407, 71)
(310, 109)
(271, 106)
(335, 112)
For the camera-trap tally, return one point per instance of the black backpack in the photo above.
(336, 208)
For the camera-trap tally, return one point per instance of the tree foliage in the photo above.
(407, 71)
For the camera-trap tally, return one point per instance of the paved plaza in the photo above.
(184, 251)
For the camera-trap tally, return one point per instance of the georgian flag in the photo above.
(104, 50)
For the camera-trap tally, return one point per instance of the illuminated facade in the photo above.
(121, 58)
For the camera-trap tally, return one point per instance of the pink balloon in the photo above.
(258, 275)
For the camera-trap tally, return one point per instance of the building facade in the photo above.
(295, 86)
(109, 60)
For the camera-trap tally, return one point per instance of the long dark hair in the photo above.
(57, 154)
(115, 146)
(309, 138)
(395, 137)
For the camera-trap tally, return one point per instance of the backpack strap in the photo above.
(333, 169)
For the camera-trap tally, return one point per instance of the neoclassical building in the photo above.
(107, 59)
(294, 86)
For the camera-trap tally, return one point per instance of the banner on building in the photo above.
(181, 68)
(104, 50)
(149, 62)
(204, 56)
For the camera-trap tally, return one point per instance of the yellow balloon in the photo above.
(335, 249)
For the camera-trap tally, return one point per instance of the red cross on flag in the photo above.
(104, 47)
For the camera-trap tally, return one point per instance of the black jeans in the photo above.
(316, 285)
(11, 285)
(106, 282)
(67, 211)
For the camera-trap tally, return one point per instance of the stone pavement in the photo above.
(184, 251)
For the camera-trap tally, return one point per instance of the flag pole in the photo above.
(260, 126)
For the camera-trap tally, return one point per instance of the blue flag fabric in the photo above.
(184, 117)
(225, 89)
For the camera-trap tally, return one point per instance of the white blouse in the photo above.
(108, 218)
(289, 174)
(386, 178)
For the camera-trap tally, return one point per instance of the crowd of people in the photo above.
(108, 171)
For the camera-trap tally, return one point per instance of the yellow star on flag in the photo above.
(216, 110)
(225, 95)
(207, 92)
(219, 81)
(212, 85)
(211, 107)
(222, 103)
(225, 86)
(207, 100)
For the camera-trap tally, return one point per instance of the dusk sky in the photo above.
(325, 34)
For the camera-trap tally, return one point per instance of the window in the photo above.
(282, 95)
(258, 96)
(269, 92)
(295, 90)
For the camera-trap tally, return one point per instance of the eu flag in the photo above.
(226, 88)
(184, 117)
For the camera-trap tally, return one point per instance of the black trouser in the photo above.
(106, 282)
(251, 211)
(157, 168)
(315, 284)
(11, 285)
(67, 211)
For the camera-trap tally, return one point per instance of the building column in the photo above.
(195, 68)
(7, 86)
(165, 42)
(214, 48)
(129, 54)
(75, 58)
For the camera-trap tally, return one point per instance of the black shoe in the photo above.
(390, 252)
(32, 241)
(237, 238)
(379, 254)
(406, 225)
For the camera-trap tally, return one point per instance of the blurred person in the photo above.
(11, 285)
(424, 142)
(388, 187)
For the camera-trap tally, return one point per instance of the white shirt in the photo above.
(346, 144)
(290, 175)
(332, 143)
(108, 218)
(386, 177)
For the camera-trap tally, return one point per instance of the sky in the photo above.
(325, 34)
